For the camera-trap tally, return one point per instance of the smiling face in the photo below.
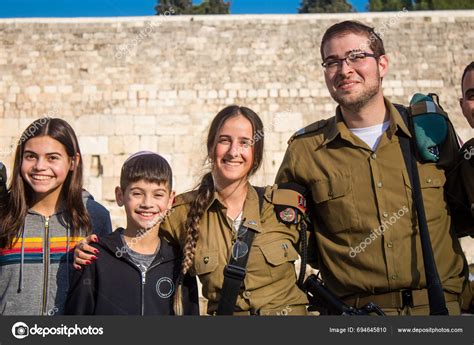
(353, 87)
(467, 101)
(45, 165)
(146, 203)
(233, 153)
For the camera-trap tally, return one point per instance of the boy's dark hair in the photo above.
(355, 27)
(148, 166)
(468, 68)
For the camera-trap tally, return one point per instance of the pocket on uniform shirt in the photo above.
(432, 180)
(205, 262)
(335, 203)
(279, 256)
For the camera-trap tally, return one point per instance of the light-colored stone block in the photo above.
(10, 127)
(66, 89)
(148, 143)
(119, 95)
(94, 145)
(116, 145)
(144, 125)
(123, 124)
(87, 125)
(165, 143)
(33, 90)
(131, 144)
(50, 88)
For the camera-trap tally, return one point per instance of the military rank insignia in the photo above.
(288, 215)
(302, 202)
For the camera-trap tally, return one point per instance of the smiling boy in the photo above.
(137, 270)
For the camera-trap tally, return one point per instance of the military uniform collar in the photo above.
(396, 121)
(337, 126)
(251, 211)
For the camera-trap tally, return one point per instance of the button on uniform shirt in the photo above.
(367, 240)
(270, 282)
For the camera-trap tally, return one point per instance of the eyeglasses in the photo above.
(353, 60)
(240, 248)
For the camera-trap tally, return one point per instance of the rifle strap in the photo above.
(235, 271)
(303, 253)
(436, 298)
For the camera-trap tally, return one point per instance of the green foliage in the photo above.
(187, 7)
(389, 5)
(443, 4)
(415, 5)
(325, 6)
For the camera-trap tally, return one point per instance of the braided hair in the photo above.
(206, 188)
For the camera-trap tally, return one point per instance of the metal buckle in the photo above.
(235, 272)
(407, 298)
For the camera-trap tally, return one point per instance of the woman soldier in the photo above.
(212, 224)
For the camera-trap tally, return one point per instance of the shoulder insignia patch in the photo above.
(288, 215)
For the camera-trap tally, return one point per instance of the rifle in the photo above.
(328, 303)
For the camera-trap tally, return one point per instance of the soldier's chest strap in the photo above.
(236, 269)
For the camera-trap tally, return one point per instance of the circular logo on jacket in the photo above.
(164, 287)
(288, 215)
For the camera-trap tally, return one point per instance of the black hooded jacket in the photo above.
(114, 285)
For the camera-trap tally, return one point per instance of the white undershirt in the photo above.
(371, 135)
(236, 222)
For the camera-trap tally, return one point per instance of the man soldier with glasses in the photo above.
(367, 239)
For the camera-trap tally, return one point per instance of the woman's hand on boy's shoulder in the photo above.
(84, 254)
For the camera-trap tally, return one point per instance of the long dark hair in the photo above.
(15, 203)
(205, 189)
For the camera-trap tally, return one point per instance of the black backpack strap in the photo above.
(435, 289)
(235, 271)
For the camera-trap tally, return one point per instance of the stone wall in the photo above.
(127, 84)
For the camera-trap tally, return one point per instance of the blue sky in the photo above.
(113, 8)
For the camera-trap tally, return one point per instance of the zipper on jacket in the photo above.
(143, 292)
(143, 285)
(46, 265)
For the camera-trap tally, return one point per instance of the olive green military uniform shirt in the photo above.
(270, 284)
(362, 209)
